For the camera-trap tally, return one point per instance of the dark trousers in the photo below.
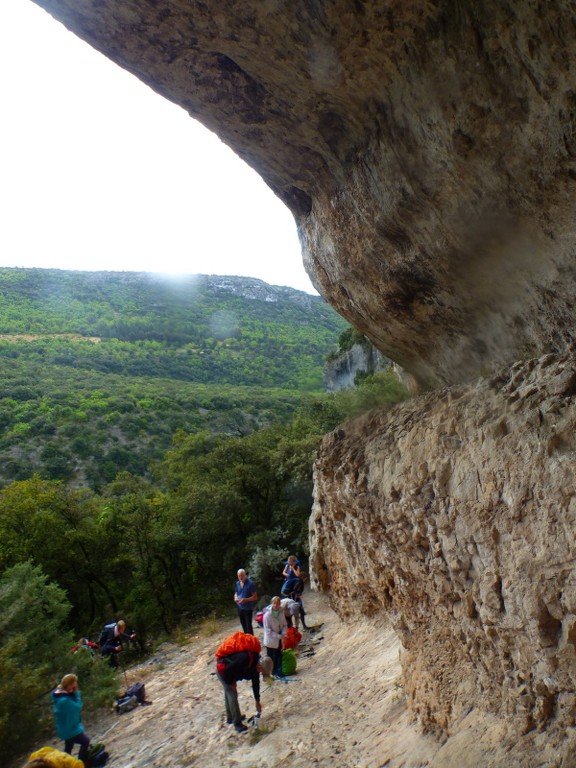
(276, 656)
(233, 714)
(84, 742)
(302, 613)
(246, 620)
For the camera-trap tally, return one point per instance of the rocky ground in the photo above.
(345, 709)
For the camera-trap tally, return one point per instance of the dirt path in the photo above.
(344, 710)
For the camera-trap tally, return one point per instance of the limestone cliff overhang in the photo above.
(426, 149)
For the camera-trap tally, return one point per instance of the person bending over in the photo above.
(244, 665)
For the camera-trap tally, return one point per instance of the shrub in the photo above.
(33, 649)
(374, 391)
(34, 656)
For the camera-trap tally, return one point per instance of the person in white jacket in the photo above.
(274, 630)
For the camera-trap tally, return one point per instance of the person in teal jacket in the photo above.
(67, 705)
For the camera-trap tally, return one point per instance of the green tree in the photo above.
(33, 647)
(150, 568)
(58, 529)
(34, 654)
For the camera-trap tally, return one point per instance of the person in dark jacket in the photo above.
(111, 640)
(67, 706)
(244, 665)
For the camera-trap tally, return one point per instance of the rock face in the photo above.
(455, 514)
(427, 151)
(341, 372)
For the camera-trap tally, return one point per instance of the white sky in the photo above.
(99, 172)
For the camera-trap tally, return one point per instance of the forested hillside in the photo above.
(141, 470)
(99, 369)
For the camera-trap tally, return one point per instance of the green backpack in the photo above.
(289, 662)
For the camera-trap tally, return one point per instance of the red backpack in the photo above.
(239, 641)
(292, 638)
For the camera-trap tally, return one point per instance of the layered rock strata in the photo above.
(455, 514)
(426, 149)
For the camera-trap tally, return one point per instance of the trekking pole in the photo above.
(109, 729)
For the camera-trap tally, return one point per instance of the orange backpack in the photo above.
(292, 638)
(239, 641)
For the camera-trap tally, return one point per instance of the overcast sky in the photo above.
(99, 172)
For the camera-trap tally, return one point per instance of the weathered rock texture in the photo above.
(455, 513)
(426, 149)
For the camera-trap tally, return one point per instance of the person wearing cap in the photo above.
(67, 706)
(244, 665)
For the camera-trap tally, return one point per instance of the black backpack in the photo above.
(97, 756)
(138, 690)
(135, 694)
(99, 759)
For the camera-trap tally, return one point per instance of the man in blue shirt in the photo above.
(245, 598)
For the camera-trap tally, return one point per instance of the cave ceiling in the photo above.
(427, 151)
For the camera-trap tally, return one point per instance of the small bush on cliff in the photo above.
(349, 338)
(373, 391)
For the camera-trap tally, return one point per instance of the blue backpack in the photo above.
(106, 634)
(291, 585)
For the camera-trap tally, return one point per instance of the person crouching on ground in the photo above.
(244, 665)
(274, 629)
(67, 706)
(111, 640)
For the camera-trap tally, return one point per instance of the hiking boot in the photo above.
(240, 727)
(230, 720)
